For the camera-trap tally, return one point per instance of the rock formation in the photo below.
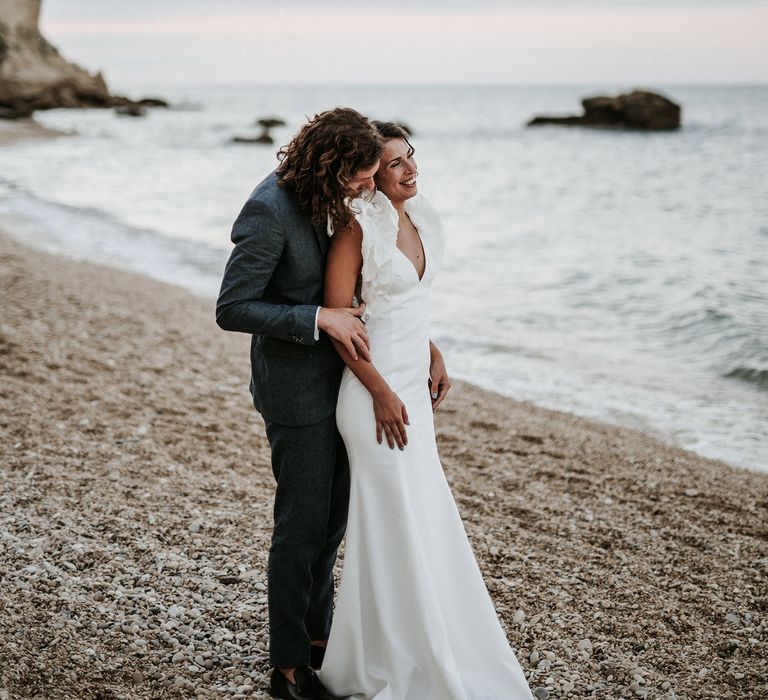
(639, 109)
(34, 75)
(132, 110)
(265, 137)
(270, 122)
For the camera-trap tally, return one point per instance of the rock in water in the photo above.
(638, 109)
(132, 110)
(270, 122)
(153, 102)
(266, 123)
(33, 74)
(263, 137)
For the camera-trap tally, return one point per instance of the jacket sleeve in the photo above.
(259, 239)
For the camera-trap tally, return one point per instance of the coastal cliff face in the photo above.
(33, 74)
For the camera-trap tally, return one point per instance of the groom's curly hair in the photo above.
(323, 157)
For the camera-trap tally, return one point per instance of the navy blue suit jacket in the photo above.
(272, 288)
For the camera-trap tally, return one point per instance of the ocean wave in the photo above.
(92, 234)
(753, 375)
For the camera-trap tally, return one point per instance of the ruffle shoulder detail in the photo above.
(379, 222)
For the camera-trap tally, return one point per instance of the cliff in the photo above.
(33, 74)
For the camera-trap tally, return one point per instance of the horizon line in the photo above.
(602, 83)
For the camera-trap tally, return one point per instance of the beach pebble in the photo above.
(175, 611)
(111, 553)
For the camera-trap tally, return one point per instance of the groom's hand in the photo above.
(345, 326)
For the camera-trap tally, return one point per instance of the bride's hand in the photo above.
(439, 384)
(391, 419)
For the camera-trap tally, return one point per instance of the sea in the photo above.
(618, 275)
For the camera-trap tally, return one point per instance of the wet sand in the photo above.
(14, 131)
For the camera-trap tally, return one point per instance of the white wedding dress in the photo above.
(413, 618)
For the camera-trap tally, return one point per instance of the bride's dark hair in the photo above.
(393, 130)
(323, 158)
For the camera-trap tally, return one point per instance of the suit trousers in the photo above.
(311, 472)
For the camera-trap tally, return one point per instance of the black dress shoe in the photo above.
(316, 656)
(306, 687)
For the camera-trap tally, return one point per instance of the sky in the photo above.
(391, 42)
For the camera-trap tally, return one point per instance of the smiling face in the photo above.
(361, 181)
(397, 173)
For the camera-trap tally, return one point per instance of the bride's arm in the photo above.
(345, 260)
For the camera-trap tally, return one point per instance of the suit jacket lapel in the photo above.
(321, 233)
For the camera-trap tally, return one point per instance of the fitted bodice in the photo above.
(389, 278)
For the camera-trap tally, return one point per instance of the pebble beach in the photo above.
(135, 519)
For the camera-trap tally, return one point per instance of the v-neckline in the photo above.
(423, 252)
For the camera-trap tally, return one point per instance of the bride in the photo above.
(413, 618)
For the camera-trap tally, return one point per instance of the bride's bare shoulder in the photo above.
(349, 235)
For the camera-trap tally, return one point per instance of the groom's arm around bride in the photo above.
(270, 289)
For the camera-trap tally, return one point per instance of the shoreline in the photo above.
(136, 516)
(18, 130)
(649, 431)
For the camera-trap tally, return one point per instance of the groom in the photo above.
(273, 289)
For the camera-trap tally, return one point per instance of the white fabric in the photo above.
(413, 618)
